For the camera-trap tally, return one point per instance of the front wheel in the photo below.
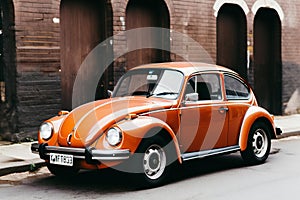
(153, 162)
(258, 145)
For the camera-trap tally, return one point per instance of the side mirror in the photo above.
(109, 93)
(192, 97)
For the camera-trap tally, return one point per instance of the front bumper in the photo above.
(90, 155)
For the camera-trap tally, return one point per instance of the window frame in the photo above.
(217, 74)
(242, 82)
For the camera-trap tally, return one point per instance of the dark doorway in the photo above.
(84, 25)
(267, 60)
(2, 83)
(7, 68)
(147, 13)
(232, 38)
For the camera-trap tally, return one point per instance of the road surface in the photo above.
(222, 177)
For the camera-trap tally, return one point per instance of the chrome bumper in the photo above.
(90, 155)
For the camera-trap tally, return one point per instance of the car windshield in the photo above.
(163, 83)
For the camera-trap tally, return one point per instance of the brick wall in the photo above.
(290, 48)
(38, 63)
(38, 90)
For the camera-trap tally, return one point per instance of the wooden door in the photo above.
(83, 27)
(148, 13)
(232, 39)
(267, 60)
(1, 51)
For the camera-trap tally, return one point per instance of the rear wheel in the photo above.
(258, 145)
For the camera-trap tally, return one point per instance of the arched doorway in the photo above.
(2, 82)
(267, 60)
(232, 38)
(84, 25)
(147, 13)
(7, 68)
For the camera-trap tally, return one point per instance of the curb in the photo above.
(289, 134)
(17, 168)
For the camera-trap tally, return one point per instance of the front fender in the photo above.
(253, 114)
(139, 128)
(56, 123)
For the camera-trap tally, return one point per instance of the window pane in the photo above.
(235, 89)
(213, 83)
(150, 83)
(206, 85)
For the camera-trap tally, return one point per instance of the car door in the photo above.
(238, 102)
(203, 114)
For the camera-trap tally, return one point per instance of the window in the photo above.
(206, 86)
(162, 83)
(235, 88)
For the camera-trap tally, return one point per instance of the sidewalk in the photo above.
(290, 125)
(18, 157)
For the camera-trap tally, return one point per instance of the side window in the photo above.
(203, 87)
(235, 88)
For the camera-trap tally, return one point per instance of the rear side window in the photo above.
(236, 89)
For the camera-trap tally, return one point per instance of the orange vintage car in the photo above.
(159, 115)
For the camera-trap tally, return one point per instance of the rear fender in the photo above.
(254, 114)
(135, 130)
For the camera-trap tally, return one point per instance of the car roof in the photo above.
(187, 68)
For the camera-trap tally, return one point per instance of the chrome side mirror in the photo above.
(109, 93)
(192, 97)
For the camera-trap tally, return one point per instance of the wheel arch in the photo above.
(255, 115)
(145, 127)
(168, 136)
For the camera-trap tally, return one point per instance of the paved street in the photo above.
(223, 177)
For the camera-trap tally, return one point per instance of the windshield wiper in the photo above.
(161, 94)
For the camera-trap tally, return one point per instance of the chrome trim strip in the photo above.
(74, 156)
(109, 158)
(65, 149)
(110, 155)
(202, 106)
(206, 153)
(159, 110)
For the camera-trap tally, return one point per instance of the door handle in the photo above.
(223, 110)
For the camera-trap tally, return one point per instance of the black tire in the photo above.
(153, 162)
(258, 145)
(62, 171)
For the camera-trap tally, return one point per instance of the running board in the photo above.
(206, 153)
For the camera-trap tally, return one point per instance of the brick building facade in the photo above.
(44, 42)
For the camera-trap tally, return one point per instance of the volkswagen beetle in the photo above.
(158, 115)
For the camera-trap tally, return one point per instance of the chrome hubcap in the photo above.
(260, 143)
(154, 162)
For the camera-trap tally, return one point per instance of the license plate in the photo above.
(61, 159)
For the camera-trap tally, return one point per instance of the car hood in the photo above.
(86, 123)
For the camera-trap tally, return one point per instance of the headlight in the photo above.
(114, 136)
(46, 130)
